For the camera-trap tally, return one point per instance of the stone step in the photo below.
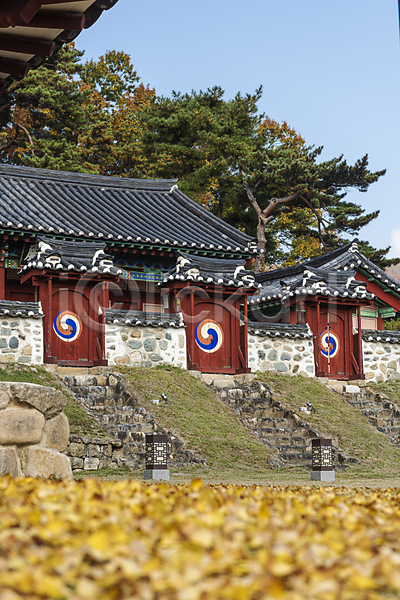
(142, 428)
(293, 448)
(364, 405)
(297, 457)
(283, 431)
(254, 402)
(103, 409)
(116, 419)
(117, 403)
(389, 430)
(385, 422)
(268, 422)
(262, 412)
(272, 440)
(377, 412)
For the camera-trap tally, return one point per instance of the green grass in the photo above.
(390, 389)
(79, 422)
(118, 473)
(335, 418)
(194, 411)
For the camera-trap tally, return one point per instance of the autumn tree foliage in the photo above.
(117, 98)
(47, 113)
(78, 117)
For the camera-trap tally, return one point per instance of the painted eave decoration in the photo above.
(31, 31)
(280, 330)
(21, 309)
(146, 319)
(226, 272)
(125, 212)
(81, 257)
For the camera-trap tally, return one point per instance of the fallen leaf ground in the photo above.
(127, 540)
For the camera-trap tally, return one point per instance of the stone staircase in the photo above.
(276, 425)
(379, 411)
(105, 398)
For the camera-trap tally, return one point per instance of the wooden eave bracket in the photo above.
(38, 275)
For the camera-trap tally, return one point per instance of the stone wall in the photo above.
(285, 350)
(21, 340)
(381, 353)
(34, 431)
(91, 454)
(145, 346)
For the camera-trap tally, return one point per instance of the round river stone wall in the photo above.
(34, 431)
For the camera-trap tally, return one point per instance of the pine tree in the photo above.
(257, 174)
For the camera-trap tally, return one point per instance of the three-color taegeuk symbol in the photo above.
(67, 326)
(209, 336)
(329, 344)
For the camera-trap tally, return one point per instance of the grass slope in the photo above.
(215, 432)
(194, 411)
(335, 418)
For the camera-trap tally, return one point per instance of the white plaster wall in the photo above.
(21, 340)
(289, 356)
(140, 346)
(381, 361)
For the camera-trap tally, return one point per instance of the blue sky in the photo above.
(330, 69)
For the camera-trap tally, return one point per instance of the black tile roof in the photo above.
(306, 280)
(279, 330)
(116, 209)
(229, 273)
(77, 256)
(344, 258)
(373, 335)
(21, 309)
(146, 319)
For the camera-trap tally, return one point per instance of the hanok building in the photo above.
(107, 271)
(344, 300)
(98, 256)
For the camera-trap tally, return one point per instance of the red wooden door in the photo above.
(332, 343)
(74, 329)
(209, 335)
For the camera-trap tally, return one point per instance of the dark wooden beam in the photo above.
(45, 2)
(17, 12)
(26, 45)
(13, 67)
(48, 19)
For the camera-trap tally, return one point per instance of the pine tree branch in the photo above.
(320, 221)
(17, 139)
(28, 136)
(273, 203)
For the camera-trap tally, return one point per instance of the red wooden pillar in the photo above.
(348, 348)
(245, 336)
(317, 346)
(48, 316)
(2, 281)
(359, 340)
